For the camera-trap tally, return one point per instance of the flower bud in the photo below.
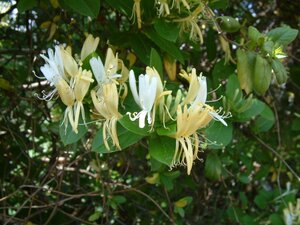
(65, 92)
(82, 84)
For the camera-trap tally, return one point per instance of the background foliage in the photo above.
(250, 177)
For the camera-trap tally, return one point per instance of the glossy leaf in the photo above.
(219, 134)
(162, 148)
(156, 62)
(265, 120)
(167, 30)
(165, 45)
(68, 136)
(283, 35)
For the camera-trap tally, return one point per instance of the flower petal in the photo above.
(216, 116)
(98, 69)
(132, 84)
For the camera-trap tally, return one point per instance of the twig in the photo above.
(278, 155)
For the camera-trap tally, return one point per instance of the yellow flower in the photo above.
(106, 103)
(192, 114)
(189, 120)
(89, 46)
(53, 71)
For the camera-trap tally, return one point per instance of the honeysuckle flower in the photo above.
(197, 94)
(178, 2)
(145, 98)
(83, 80)
(189, 120)
(89, 46)
(53, 71)
(192, 114)
(163, 7)
(106, 103)
(190, 24)
(107, 73)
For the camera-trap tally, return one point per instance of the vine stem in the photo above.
(278, 155)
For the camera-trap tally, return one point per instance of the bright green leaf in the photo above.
(218, 4)
(133, 126)
(162, 148)
(95, 216)
(155, 61)
(283, 35)
(219, 134)
(167, 30)
(68, 136)
(265, 120)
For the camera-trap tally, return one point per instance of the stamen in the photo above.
(216, 100)
(46, 97)
(43, 78)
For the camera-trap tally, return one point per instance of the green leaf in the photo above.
(133, 126)
(279, 71)
(296, 124)
(254, 34)
(232, 86)
(168, 179)
(126, 139)
(219, 134)
(119, 199)
(167, 30)
(84, 7)
(256, 108)
(218, 4)
(261, 201)
(68, 136)
(264, 121)
(276, 219)
(162, 149)
(95, 216)
(211, 46)
(141, 46)
(262, 75)
(248, 220)
(245, 69)
(283, 35)
(155, 61)
(213, 167)
(24, 5)
(244, 178)
(168, 131)
(221, 72)
(165, 45)
(124, 6)
(228, 24)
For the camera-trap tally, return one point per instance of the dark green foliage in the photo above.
(50, 175)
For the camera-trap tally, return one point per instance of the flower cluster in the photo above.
(159, 107)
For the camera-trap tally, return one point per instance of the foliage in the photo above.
(54, 171)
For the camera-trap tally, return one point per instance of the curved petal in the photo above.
(98, 69)
(132, 84)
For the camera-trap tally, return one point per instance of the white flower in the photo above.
(53, 70)
(105, 74)
(145, 98)
(202, 96)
